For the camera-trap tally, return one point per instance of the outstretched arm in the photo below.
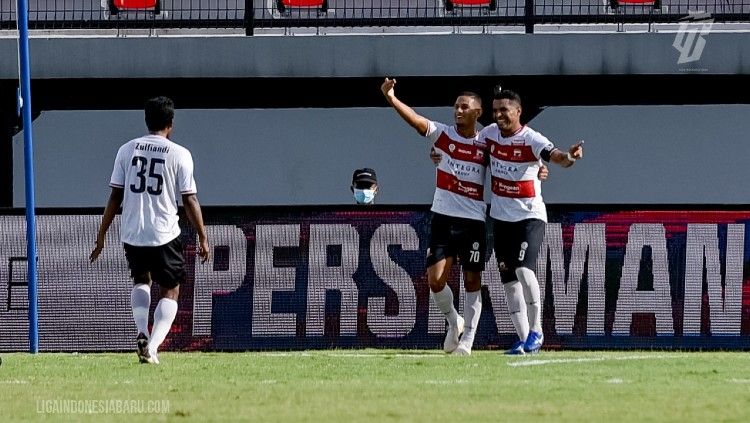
(193, 211)
(115, 199)
(417, 121)
(567, 159)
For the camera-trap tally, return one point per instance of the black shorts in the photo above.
(517, 245)
(464, 239)
(164, 263)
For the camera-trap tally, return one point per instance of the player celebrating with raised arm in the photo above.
(518, 211)
(149, 173)
(457, 231)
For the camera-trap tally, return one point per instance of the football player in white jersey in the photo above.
(149, 172)
(518, 212)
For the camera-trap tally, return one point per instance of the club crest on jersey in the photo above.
(475, 246)
(451, 147)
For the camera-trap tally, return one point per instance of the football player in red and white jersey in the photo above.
(457, 232)
(518, 211)
(149, 172)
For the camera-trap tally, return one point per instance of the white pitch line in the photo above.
(285, 354)
(386, 355)
(522, 362)
(346, 354)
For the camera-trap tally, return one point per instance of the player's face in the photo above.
(466, 111)
(507, 113)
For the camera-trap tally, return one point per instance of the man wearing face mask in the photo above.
(364, 185)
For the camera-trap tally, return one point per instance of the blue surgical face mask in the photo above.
(364, 196)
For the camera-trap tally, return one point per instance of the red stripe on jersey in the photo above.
(513, 189)
(451, 183)
(460, 151)
(512, 153)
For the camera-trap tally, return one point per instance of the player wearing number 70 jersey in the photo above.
(148, 174)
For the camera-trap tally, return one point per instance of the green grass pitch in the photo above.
(378, 386)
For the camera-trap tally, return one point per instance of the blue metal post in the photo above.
(28, 159)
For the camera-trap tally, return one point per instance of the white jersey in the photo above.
(514, 166)
(152, 171)
(459, 179)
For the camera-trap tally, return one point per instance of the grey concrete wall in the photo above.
(376, 55)
(634, 154)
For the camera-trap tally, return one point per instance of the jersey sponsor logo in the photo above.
(513, 153)
(460, 151)
(500, 168)
(466, 170)
(513, 189)
(451, 183)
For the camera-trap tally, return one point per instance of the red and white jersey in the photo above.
(514, 166)
(152, 171)
(459, 179)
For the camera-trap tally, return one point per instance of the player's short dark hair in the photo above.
(473, 95)
(509, 95)
(159, 113)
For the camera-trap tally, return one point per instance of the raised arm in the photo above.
(193, 211)
(114, 202)
(417, 121)
(568, 158)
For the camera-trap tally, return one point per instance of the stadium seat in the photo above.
(655, 3)
(451, 5)
(284, 6)
(115, 6)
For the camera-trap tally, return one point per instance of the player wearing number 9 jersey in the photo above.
(148, 174)
(518, 212)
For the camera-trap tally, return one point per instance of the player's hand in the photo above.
(435, 156)
(576, 150)
(543, 173)
(97, 249)
(387, 88)
(203, 250)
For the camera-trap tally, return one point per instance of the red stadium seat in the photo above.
(287, 5)
(115, 6)
(655, 3)
(135, 4)
(451, 5)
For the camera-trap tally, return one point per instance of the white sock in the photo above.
(533, 297)
(444, 302)
(140, 300)
(517, 308)
(164, 315)
(472, 312)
